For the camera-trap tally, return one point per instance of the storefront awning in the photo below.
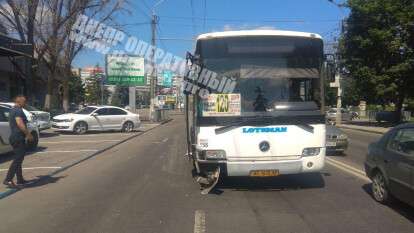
(10, 47)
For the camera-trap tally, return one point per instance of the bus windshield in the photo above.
(272, 73)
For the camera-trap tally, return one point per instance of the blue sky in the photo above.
(177, 19)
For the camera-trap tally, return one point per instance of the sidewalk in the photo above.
(366, 126)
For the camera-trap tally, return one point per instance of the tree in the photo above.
(120, 96)
(377, 50)
(330, 95)
(20, 17)
(93, 91)
(351, 95)
(103, 12)
(76, 90)
(47, 24)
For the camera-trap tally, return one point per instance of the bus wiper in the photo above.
(306, 127)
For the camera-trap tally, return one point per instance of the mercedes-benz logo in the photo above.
(264, 146)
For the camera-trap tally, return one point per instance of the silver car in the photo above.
(336, 139)
(346, 115)
(42, 118)
(5, 131)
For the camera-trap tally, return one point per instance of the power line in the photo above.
(159, 35)
(143, 12)
(250, 20)
(146, 5)
(205, 15)
(137, 23)
(193, 17)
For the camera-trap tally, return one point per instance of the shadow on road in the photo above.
(48, 134)
(4, 158)
(398, 206)
(285, 182)
(43, 180)
(373, 123)
(336, 153)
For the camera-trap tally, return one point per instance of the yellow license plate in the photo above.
(264, 173)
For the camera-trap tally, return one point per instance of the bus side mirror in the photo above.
(193, 68)
(195, 59)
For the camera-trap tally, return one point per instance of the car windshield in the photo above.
(272, 73)
(86, 111)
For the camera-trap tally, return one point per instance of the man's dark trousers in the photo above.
(19, 149)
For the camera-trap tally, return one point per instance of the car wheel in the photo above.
(128, 127)
(31, 146)
(380, 190)
(80, 128)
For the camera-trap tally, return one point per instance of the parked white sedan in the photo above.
(97, 118)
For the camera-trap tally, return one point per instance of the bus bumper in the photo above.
(244, 168)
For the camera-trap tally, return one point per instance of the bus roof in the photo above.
(257, 33)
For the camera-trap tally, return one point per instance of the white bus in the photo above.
(272, 121)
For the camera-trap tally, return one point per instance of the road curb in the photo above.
(363, 130)
(12, 191)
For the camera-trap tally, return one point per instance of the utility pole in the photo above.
(338, 99)
(338, 78)
(338, 81)
(102, 91)
(153, 77)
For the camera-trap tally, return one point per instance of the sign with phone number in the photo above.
(125, 70)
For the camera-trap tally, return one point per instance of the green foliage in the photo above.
(120, 97)
(76, 90)
(330, 95)
(93, 91)
(374, 107)
(410, 105)
(377, 49)
(350, 92)
(116, 99)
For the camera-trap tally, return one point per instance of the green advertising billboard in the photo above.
(125, 70)
(167, 78)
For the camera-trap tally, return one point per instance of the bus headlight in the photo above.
(311, 151)
(214, 154)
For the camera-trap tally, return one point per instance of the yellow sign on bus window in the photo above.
(222, 105)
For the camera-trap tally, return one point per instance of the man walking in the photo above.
(19, 135)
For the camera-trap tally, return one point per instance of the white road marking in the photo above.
(347, 168)
(199, 221)
(33, 168)
(83, 141)
(163, 141)
(65, 151)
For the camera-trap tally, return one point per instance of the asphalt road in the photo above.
(59, 150)
(145, 185)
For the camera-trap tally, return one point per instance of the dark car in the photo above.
(390, 165)
(386, 116)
